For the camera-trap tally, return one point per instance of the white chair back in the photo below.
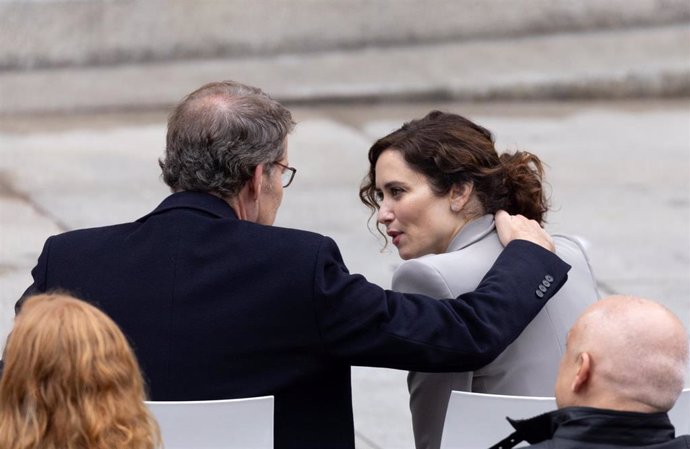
(224, 424)
(477, 420)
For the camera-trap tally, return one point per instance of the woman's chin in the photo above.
(406, 255)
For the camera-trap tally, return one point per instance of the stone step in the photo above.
(629, 63)
(45, 33)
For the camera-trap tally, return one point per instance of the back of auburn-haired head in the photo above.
(448, 150)
(71, 381)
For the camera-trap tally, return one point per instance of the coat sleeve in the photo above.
(362, 324)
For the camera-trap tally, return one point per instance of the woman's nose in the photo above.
(385, 215)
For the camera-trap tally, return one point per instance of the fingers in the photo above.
(517, 227)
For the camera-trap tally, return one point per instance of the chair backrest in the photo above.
(680, 413)
(225, 424)
(477, 420)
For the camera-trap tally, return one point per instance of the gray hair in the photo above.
(219, 134)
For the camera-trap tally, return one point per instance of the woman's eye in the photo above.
(396, 192)
(378, 196)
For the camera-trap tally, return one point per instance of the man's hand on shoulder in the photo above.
(517, 227)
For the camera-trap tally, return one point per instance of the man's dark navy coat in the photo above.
(216, 307)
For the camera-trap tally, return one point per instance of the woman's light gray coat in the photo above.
(529, 366)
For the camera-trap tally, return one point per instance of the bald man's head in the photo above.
(624, 353)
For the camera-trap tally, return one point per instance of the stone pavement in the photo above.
(619, 175)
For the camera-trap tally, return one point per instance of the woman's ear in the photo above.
(459, 195)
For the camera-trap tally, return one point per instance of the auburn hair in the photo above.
(449, 150)
(71, 381)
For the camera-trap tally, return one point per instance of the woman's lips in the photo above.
(395, 237)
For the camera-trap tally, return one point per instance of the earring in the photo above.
(454, 208)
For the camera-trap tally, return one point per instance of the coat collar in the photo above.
(204, 202)
(472, 232)
(591, 425)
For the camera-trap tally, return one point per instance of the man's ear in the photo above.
(246, 202)
(584, 368)
(460, 195)
(256, 182)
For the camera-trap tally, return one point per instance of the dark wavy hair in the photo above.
(219, 134)
(448, 150)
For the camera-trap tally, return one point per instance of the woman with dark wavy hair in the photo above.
(435, 185)
(71, 381)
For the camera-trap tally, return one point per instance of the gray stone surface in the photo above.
(628, 63)
(619, 174)
(88, 32)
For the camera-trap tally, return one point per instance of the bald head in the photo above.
(624, 353)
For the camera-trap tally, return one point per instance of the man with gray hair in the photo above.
(220, 304)
(623, 369)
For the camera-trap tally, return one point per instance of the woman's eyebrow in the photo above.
(390, 184)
